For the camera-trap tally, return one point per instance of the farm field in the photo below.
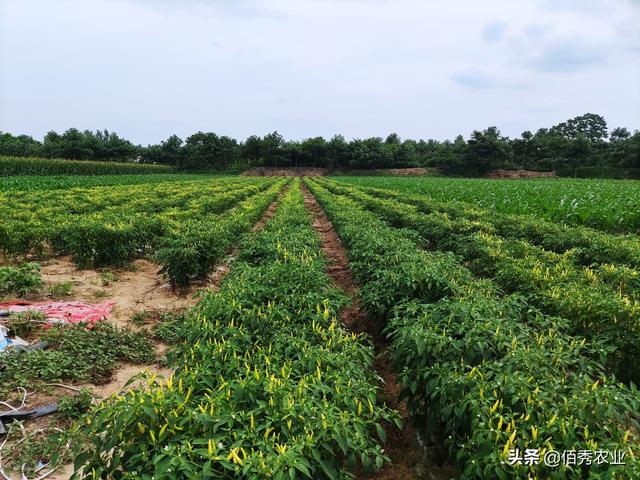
(52, 182)
(498, 341)
(608, 205)
(180, 223)
(10, 166)
(285, 328)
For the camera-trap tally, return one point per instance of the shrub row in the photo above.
(200, 242)
(590, 246)
(188, 225)
(483, 373)
(268, 384)
(603, 306)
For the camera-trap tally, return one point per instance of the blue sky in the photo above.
(424, 69)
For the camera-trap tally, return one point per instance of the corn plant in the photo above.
(609, 205)
(44, 166)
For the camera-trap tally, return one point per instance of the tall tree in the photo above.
(272, 148)
(487, 150)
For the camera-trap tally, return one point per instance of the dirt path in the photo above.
(407, 458)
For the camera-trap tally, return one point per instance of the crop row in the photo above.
(590, 246)
(10, 166)
(53, 182)
(36, 205)
(187, 226)
(268, 383)
(193, 249)
(484, 374)
(609, 205)
(600, 303)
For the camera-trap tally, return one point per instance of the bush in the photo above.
(20, 280)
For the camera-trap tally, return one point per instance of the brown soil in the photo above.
(393, 172)
(285, 172)
(401, 445)
(138, 288)
(520, 174)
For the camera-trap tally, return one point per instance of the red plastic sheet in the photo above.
(63, 312)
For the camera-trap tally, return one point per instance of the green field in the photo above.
(10, 166)
(54, 182)
(609, 205)
(508, 327)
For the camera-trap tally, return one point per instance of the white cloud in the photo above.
(150, 68)
(494, 31)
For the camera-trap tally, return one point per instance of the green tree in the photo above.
(487, 150)
(578, 153)
(271, 148)
(591, 126)
(338, 152)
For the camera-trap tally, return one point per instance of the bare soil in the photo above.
(392, 172)
(520, 174)
(407, 458)
(286, 172)
(138, 287)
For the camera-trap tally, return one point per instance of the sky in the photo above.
(148, 69)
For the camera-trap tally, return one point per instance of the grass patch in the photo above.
(169, 328)
(100, 293)
(141, 317)
(62, 289)
(107, 277)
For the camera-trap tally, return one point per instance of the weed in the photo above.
(141, 317)
(168, 329)
(131, 267)
(37, 447)
(23, 324)
(108, 277)
(77, 353)
(20, 280)
(74, 406)
(100, 293)
(62, 289)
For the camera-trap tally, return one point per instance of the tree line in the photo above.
(581, 142)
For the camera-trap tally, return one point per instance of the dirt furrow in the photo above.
(401, 445)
